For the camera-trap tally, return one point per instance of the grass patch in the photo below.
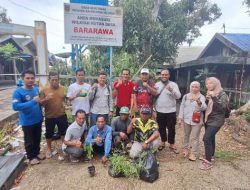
(227, 156)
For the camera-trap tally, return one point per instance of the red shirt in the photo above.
(143, 97)
(124, 92)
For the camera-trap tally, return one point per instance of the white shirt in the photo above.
(81, 102)
(166, 102)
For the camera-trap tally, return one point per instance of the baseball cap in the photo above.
(124, 110)
(145, 70)
(145, 110)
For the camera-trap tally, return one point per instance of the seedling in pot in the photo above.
(89, 150)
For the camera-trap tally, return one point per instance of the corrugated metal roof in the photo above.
(186, 53)
(240, 40)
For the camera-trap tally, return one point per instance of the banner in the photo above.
(93, 24)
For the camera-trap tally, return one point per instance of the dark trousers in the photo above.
(98, 149)
(209, 141)
(167, 120)
(117, 111)
(32, 139)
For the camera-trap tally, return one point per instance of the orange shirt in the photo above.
(55, 106)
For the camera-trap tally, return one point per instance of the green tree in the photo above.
(158, 27)
(3, 16)
(8, 52)
(247, 2)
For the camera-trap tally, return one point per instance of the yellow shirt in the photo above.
(55, 106)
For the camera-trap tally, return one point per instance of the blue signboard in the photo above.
(92, 2)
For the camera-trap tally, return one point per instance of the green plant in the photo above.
(89, 149)
(227, 156)
(247, 115)
(120, 164)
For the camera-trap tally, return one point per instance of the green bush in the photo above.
(247, 115)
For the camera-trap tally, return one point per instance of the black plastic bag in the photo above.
(150, 169)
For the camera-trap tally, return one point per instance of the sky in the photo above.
(234, 16)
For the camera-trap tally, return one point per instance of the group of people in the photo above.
(144, 111)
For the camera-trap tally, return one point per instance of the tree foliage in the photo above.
(247, 2)
(8, 52)
(148, 30)
(3, 16)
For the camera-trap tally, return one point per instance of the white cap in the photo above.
(145, 70)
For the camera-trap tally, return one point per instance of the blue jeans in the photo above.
(209, 141)
(94, 116)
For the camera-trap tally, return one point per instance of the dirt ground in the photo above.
(231, 171)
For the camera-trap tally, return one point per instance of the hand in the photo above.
(77, 94)
(119, 82)
(180, 121)
(78, 144)
(169, 88)
(110, 114)
(94, 86)
(123, 136)
(104, 160)
(210, 94)
(98, 140)
(198, 101)
(145, 84)
(144, 146)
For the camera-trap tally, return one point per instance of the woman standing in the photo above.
(214, 118)
(191, 118)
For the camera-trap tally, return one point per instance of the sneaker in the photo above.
(73, 159)
(48, 154)
(192, 157)
(40, 157)
(34, 161)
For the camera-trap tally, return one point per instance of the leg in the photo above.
(162, 122)
(154, 144)
(187, 131)
(195, 134)
(28, 141)
(171, 121)
(87, 120)
(37, 138)
(135, 150)
(98, 149)
(62, 124)
(107, 118)
(93, 119)
(50, 126)
(74, 151)
(117, 111)
(208, 138)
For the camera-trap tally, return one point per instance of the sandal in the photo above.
(161, 147)
(185, 153)
(206, 165)
(174, 149)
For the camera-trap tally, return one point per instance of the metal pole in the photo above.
(110, 64)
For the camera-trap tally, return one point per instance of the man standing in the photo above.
(78, 94)
(54, 110)
(100, 136)
(75, 135)
(122, 91)
(143, 91)
(119, 126)
(165, 106)
(26, 100)
(101, 99)
(146, 132)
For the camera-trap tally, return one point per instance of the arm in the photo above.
(175, 92)
(151, 90)
(133, 97)
(18, 105)
(115, 90)
(107, 143)
(130, 126)
(89, 139)
(110, 101)
(181, 111)
(70, 94)
(203, 106)
(154, 136)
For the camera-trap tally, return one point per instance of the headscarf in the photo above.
(217, 89)
(191, 95)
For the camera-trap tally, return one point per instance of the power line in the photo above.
(29, 9)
